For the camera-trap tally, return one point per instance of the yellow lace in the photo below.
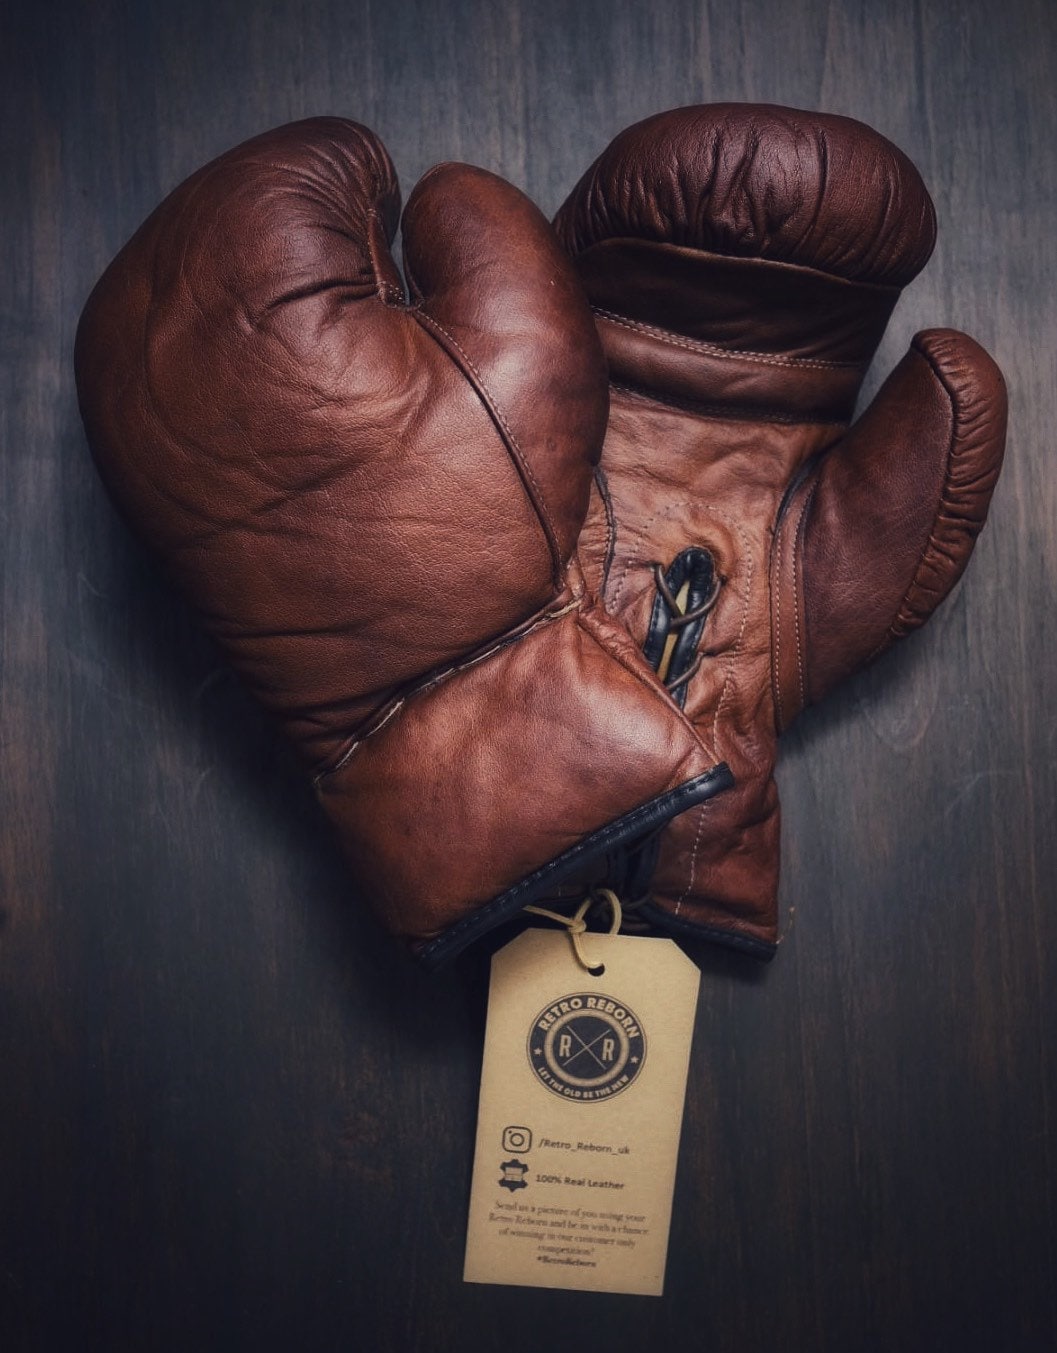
(577, 925)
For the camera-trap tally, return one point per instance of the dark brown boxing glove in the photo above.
(743, 262)
(374, 504)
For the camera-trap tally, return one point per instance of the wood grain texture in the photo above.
(233, 1116)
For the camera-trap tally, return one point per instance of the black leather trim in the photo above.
(802, 473)
(693, 930)
(436, 952)
(632, 877)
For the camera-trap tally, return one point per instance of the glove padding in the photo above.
(375, 504)
(742, 262)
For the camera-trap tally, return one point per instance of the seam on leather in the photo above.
(714, 350)
(659, 809)
(747, 553)
(388, 292)
(439, 679)
(636, 557)
(536, 496)
(413, 288)
(741, 412)
(798, 541)
(728, 678)
(657, 692)
(891, 633)
(693, 860)
(602, 485)
(794, 503)
(642, 536)
(776, 648)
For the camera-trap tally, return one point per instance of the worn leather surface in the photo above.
(374, 504)
(742, 262)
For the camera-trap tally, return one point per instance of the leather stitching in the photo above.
(893, 632)
(776, 590)
(744, 613)
(602, 487)
(388, 291)
(655, 811)
(727, 681)
(536, 493)
(729, 667)
(784, 717)
(798, 541)
(744, 411)
(714, 350)
(657, 693)
(693, 860)
(635, 559)
(735, 526)
(439, 679)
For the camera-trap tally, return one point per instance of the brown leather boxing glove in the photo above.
(742, 263)
(375, 504)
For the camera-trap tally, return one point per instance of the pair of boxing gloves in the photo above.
(535, 565)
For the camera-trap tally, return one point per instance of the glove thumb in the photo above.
(874, 537)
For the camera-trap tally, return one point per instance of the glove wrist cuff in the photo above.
(734, 333)
(483, 791)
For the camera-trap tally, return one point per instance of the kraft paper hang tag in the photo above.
(581, 1107)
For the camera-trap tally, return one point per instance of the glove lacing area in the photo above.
(687, 592)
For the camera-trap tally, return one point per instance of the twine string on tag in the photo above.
(577, 925)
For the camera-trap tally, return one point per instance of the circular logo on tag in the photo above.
(586, 1047)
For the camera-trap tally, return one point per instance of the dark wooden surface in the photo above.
(232, 1116)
